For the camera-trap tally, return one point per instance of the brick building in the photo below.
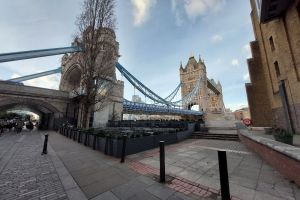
(274, 91)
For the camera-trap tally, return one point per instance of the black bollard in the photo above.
(45, 145)
(74, 134)
(85, 138)
(225, 193)
(94, 141)
(79, 137)
(162, 161)
(124, 149)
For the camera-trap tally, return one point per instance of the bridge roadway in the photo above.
(54, 105)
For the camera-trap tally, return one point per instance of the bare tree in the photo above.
(96, 37)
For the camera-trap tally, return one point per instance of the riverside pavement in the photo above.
(73, 171)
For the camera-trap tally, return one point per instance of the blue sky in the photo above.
(154, 36)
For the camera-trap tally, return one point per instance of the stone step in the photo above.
(219, 131)
(202, 135)
(222, 128)
(213, 135)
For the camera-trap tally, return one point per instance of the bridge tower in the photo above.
(207, 100)
(71, 81)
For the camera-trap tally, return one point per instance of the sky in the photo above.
(155, 36)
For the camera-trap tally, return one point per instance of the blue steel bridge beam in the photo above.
(171, 96)
(23, 55)
(132, 107)
(213, 87)
(141, 87)
(37, 75)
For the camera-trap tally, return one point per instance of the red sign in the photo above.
(247, 121)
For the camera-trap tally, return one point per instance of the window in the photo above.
(273, 8)
(277, 69)
(298, 9)
(272, 43)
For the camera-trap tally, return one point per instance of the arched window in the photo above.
(276, 65)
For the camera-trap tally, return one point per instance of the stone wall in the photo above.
(275, 58)
(284, 158)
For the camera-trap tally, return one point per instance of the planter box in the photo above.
(169, 138)
(136, 145)
(285, 139)
(113, 147)
(183, 135)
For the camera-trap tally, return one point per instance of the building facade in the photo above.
(274, 69)
(207, 100)
(242, 113)
(111, 107)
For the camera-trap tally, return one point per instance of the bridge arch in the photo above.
(70, 78)
(48, 112)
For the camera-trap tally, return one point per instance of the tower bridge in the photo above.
(196, 89)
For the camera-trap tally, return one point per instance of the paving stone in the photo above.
(144, 195)
(129, 189)
(241, 192)
(104, 185)
(146, 180)
(160, 191)
(106, 196)
(264, 196)
(179, 196)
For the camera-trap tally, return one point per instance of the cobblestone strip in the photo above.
(5, 157)
(28, 174)
(177, 183)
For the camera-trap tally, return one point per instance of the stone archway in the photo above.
(50, 114)
(70, 79)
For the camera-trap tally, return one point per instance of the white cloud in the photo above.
(195, 8)
(237, 106)
(15, 76)
(141, 10)
(50, 82)
(235, 62)
(177, 12)
(246, 77)
(216, 38)
(247, 50)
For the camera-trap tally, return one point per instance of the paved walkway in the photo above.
(196, 161)
(103, 177)
(73, 171)
(24, 173)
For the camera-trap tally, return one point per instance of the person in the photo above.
(19, 125)
(29, 125)
(1, 127)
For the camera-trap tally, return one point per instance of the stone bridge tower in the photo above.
(71, 81)
(207, 100)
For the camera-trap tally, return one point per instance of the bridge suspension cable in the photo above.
(141, 87)
(171, 96)
(37, 75)
(23, 55)
(134, 81)
(190, 96)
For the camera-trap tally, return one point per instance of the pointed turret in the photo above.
(181, 67)
(200, 59)
(192, 62)
(219, 86)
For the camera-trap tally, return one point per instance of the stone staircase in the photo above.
(216, 133)
(215, 136)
